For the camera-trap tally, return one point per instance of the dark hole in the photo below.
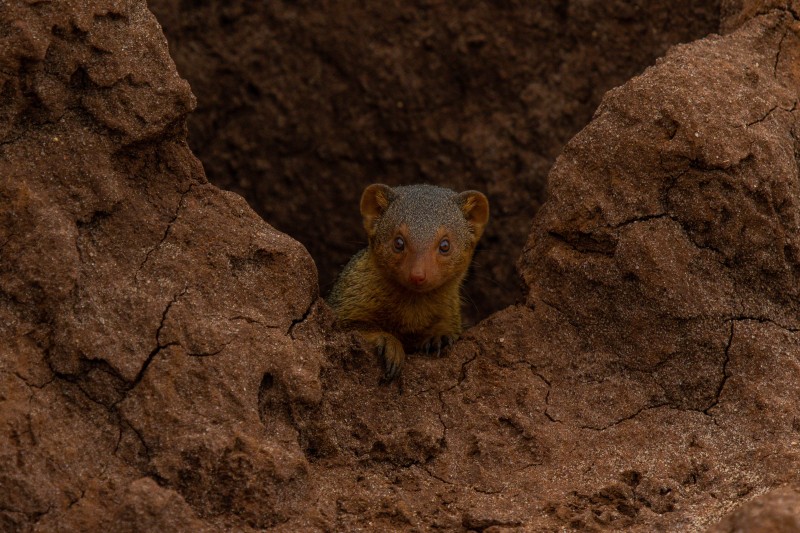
(267, 382)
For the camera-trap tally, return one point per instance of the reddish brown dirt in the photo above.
(166, 362)
(777, 511)
(301, 105)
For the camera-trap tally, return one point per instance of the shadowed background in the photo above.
(303, 104)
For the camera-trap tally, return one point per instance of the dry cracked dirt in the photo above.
(167, 359)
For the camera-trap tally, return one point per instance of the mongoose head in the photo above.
(423, 236)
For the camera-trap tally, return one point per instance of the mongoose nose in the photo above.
(417, 278)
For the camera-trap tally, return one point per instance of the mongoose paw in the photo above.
(436, 343)
(393, 356)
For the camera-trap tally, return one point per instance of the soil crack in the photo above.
(774, 108)
(159, 346)
(725, 374)
(297, 321)
(645, 218)
(627, 418)
(167, 230)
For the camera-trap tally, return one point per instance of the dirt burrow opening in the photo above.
(300, 106)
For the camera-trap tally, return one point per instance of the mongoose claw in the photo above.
(393, 365)
(437, 343)
(392, 371)
(393, 357)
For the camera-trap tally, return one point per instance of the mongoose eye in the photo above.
(399, 244)
(444, 246)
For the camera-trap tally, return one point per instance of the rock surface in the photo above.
(301, 105)
(142, 308)
(166, 361)
(777, 511)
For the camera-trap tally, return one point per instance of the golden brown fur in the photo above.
(405, 294)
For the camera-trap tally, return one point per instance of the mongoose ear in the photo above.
(374, 201)
(475, 207)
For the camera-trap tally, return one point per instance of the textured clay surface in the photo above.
(142, 307)
(777, 511)
(167, 363)
(303, 104)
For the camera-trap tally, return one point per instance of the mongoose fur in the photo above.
(402, 292)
